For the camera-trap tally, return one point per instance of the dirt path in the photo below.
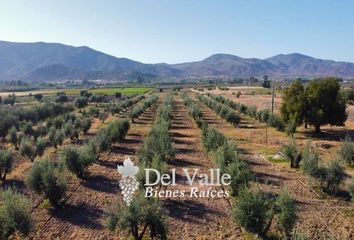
(194, 218)
(82, 215)
(318, 218)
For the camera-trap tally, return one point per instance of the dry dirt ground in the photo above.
(86, 201)
(195, 218)
(318, 218)
(328, 142)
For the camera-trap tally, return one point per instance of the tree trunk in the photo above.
(317, 129)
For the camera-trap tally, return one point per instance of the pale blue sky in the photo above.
(186, 30)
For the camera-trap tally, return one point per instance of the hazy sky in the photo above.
(186, 30)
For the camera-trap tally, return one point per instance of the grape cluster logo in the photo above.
(128, 183)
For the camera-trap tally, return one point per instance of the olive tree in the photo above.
(15, 214)
(47, 177)
(6, 162)
(142, 216)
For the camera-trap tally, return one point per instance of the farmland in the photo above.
(87, 137)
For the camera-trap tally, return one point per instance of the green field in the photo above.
(111, 91)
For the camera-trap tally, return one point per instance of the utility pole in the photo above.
(273, 100)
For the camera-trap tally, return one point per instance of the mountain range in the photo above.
(53, 61)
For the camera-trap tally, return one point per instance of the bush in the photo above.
(328, 177)
(27, 149)
(15, 214)
(48, 178)
(286, 213)
(346, 151)
(6, 162)
(252, 211)
(13, 138)
(292, 153)
(86, 125)
(227, 153)
(77, 160)
(80, 102)
(141, 215)
(240, 176)
(212, 139)
(41, 144)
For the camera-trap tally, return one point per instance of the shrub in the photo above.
(213, 139)
(86, 125)
(61, 98)
(292, 153)
(328, 177)
(13, 138)
(331, 177)
(15, 214)
(27, 128)
(286, 213)
(41, 144)
(80, 102)
(102, 116)
(252, 211)
(346, 151)
(141, 215)
(240, 176)
(6, 162)
(48, 178)
(77, 160)
(227, 153)
(27, 149)
(238, 94)
(56, 137)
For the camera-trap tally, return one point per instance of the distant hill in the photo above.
(54, 61)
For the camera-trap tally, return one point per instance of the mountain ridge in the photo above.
(55, 61)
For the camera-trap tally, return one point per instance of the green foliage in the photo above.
(212, 139)
(48, 178)
(140, 108)
(346, 151)
(325, 103)
(141, 215)
(222, 109)
(286, 213)
(159, 141)
(102, 116)
(293, 154)
(41, 144)
(328, 177)
(6, 162)
(15, 214)
(252, 211)
(28, 149)
(80, 102)
(240, 176)
(78, 160)
(294, 105)
(13, 138)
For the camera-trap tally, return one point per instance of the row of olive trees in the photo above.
(223, 111)
(15, 117)
(145, 215)
(327, 176)
(253, 210)
(263, 115)
(140, 108)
